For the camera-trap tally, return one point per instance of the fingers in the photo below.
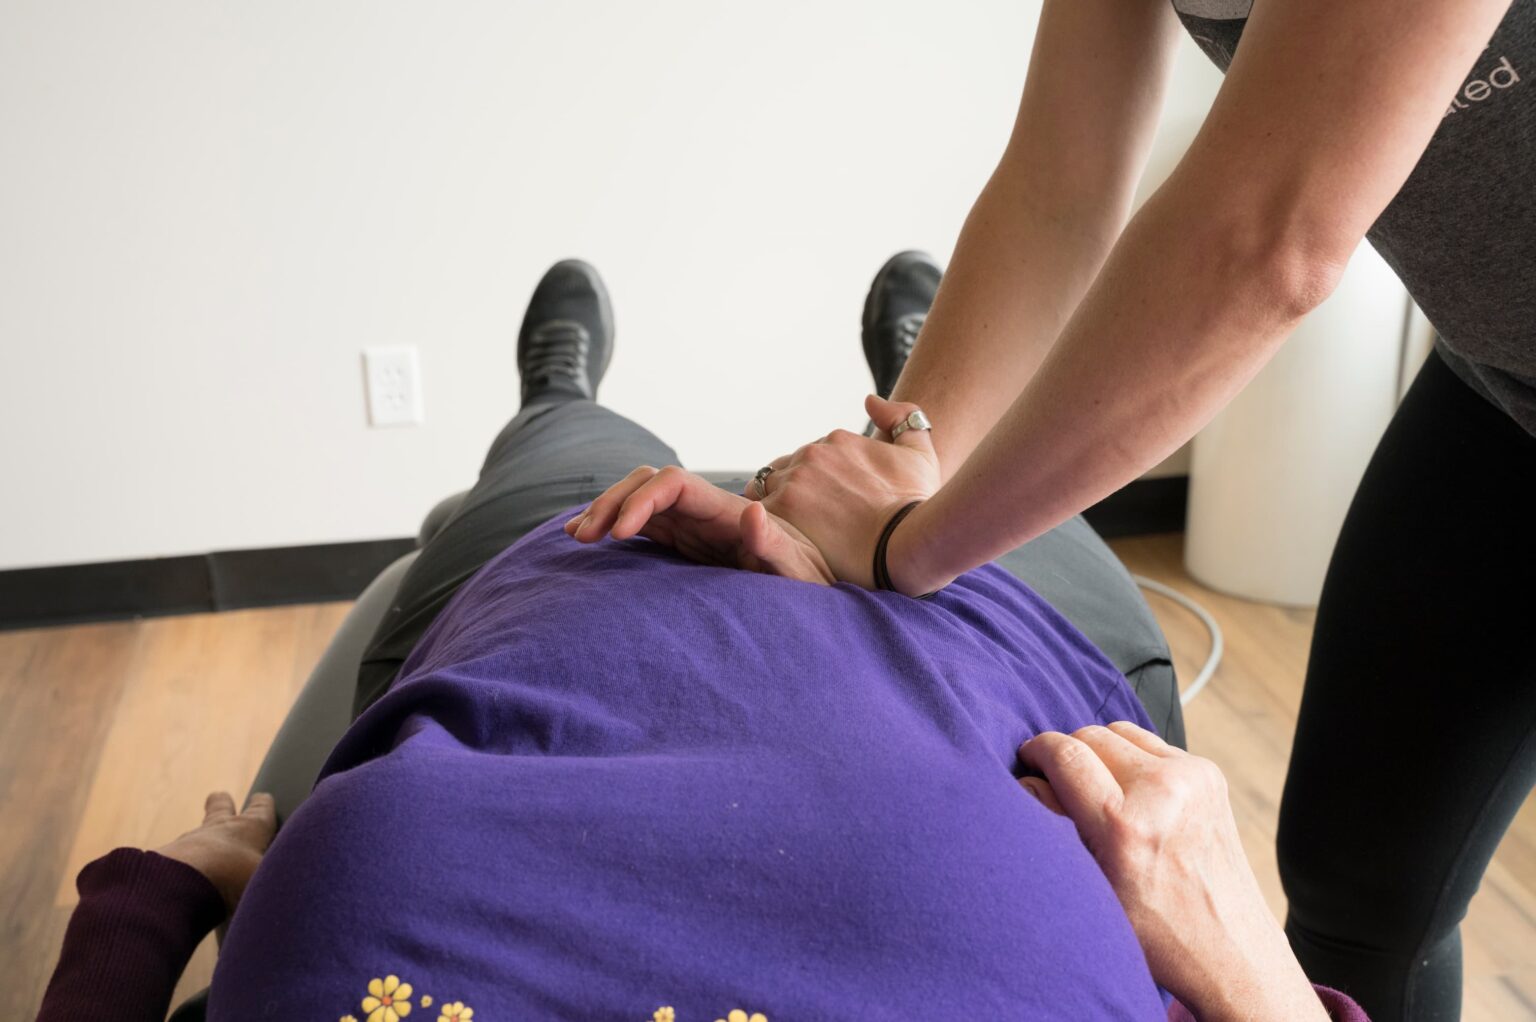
(259, 805)
(651, 498)
(218, 805)
(767, 547)
(757, 540)
(886, 415)
(1041, 790)
(778, 465)
(598, 518)
(1082, 783)
(1143, 739)
(262, 808)
(1117, 752)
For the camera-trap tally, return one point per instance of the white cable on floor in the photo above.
(1218, 644)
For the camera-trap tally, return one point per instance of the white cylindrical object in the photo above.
(1272, 475)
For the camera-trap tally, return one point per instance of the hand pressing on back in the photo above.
(1159, 824)
(702, 522)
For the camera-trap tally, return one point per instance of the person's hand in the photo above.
(840, 491)
(1158, 822)
(228, 846)
(702, 522)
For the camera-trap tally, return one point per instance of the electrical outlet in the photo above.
(394, 385)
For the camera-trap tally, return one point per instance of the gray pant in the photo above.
(555, 455)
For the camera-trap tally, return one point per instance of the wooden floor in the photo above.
(111, 734)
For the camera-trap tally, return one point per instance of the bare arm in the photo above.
(1046, 220)
(1323, 115)
(1293, 164)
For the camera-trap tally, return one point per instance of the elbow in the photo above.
(1281, 255)
(1299, 274)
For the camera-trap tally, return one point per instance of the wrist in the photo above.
(908, 556)
(1253, 979)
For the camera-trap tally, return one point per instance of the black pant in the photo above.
(551, 456)
(1417, 737)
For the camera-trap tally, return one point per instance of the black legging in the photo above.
(1417, 738)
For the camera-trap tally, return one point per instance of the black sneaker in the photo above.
(894, 312)
(566, 341)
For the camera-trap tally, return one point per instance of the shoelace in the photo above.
(558, 348)
(907, 328)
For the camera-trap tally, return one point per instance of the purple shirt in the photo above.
(611, 781)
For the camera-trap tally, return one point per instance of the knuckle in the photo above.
(1068, 751)
(1209, 774)
(1172, 787)
(1045, 740)
(1126, 830)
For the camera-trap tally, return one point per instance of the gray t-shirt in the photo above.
(1461, 233)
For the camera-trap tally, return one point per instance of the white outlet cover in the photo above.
(393, 378)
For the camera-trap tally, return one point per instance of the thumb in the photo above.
(775, 553)
(888, 414)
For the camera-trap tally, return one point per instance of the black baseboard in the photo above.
(226, 580)
(231, 579)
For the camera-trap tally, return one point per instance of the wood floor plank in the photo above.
(58, 692)
(196, 715)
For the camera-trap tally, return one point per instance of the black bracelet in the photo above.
(882, 573)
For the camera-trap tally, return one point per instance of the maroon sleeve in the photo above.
(1340, 1007)
(140, 917)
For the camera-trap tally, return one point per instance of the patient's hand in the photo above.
(1158, 822)
(702, 522)
(228, 846)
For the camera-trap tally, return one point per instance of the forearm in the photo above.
(1018, 271)
(1042, 227)
(1253, 978)
(1188, 307)
(140, 917)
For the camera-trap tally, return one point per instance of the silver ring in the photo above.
(917, 420)
(761, 479)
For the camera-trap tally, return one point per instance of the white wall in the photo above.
(208, 208)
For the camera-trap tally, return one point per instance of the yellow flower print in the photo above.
(388, 1000)
(737, 1015)
(348, 1018)
(426, 1000)
(664, 1014)
(456, 1012)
